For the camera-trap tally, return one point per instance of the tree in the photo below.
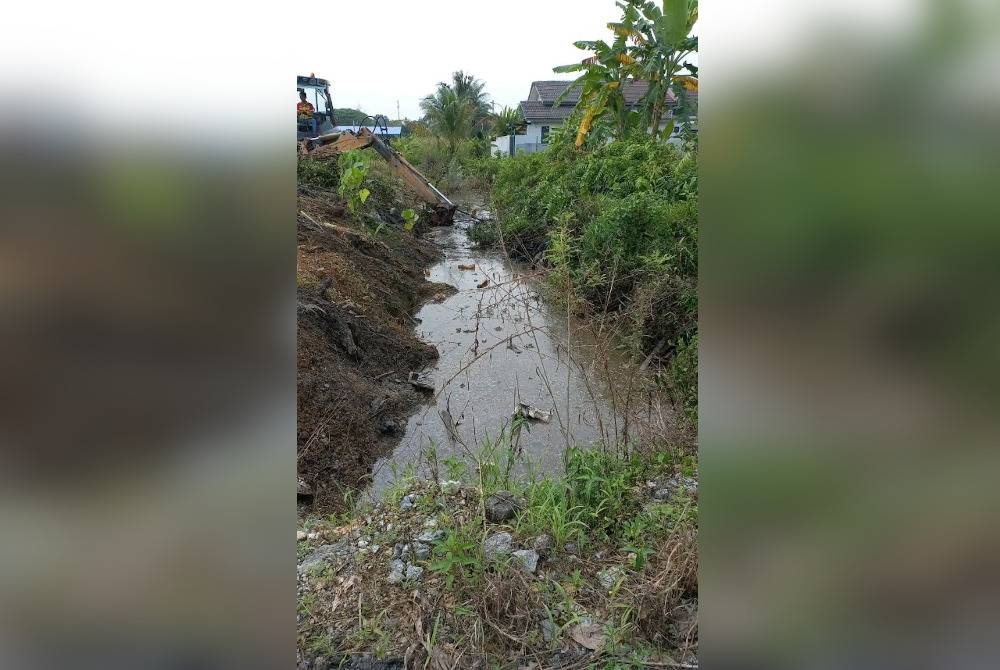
(506, 122)
(651, 43)
(472, 90)
(458, 109)
(660, 41)
(448, 115)
(601, 85)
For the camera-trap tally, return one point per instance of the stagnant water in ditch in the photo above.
(500, 344)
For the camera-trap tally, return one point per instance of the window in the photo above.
(545, 134)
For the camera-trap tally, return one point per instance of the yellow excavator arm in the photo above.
(333, 144)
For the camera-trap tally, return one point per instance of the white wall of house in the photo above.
(529, 143)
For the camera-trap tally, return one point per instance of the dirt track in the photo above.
(356, 345)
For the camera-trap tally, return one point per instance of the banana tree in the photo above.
(602, 82)
(659, 40)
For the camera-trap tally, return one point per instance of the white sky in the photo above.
(411, 46)
(226, 68)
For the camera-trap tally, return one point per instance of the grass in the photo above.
(469, 608)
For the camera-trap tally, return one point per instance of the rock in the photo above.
(543, 545)
(571, 549)
(589, 635)
(528, 559)
(421, 551)
(300, 535)
(413, 572)
(303, 491)
(450, 486)
(550, 630)
(397, 551)
(397, 569)
(677, 483)
(610, 576)
(430, 536)
(501, 506)
(421, 381)
(318, 559)
(497, 545)
(409, 501)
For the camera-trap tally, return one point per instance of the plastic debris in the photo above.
(532, 412)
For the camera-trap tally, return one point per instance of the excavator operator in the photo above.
(306, 112)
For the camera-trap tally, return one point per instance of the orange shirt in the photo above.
(305, 109)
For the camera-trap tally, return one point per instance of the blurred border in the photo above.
(848, 359)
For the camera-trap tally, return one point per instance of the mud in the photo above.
(356, 346)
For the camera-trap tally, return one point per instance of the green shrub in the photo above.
(446, 169)
(682, 376)
(619, 221)
(318, 173)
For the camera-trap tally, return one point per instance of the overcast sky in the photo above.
(410, 46)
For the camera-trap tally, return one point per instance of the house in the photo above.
(542, 114)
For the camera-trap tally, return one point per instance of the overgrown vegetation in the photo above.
(617, 226)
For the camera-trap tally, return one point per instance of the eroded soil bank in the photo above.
(356, 345)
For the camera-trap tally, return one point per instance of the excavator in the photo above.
(328, 144)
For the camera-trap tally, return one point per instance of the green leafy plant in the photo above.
(650, 42)
(410, 219)
(457, 557)
(455, 466)
(353, 172)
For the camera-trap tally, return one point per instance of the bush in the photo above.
(321, 173)
(447, 169)
(619, 225)
(682, 375)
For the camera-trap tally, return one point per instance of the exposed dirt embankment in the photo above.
(356, 344)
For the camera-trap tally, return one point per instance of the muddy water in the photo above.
(499, 345)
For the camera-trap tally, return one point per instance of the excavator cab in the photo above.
(326, 144)
(317, 92)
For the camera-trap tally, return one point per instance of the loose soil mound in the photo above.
(356, 293)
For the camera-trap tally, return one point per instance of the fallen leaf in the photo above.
(344, 588)
(589, 635)
(483, 284)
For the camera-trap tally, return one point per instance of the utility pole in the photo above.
(397, 110)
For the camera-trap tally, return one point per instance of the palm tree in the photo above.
(468, 88)
(448, 115)
(506, 121)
